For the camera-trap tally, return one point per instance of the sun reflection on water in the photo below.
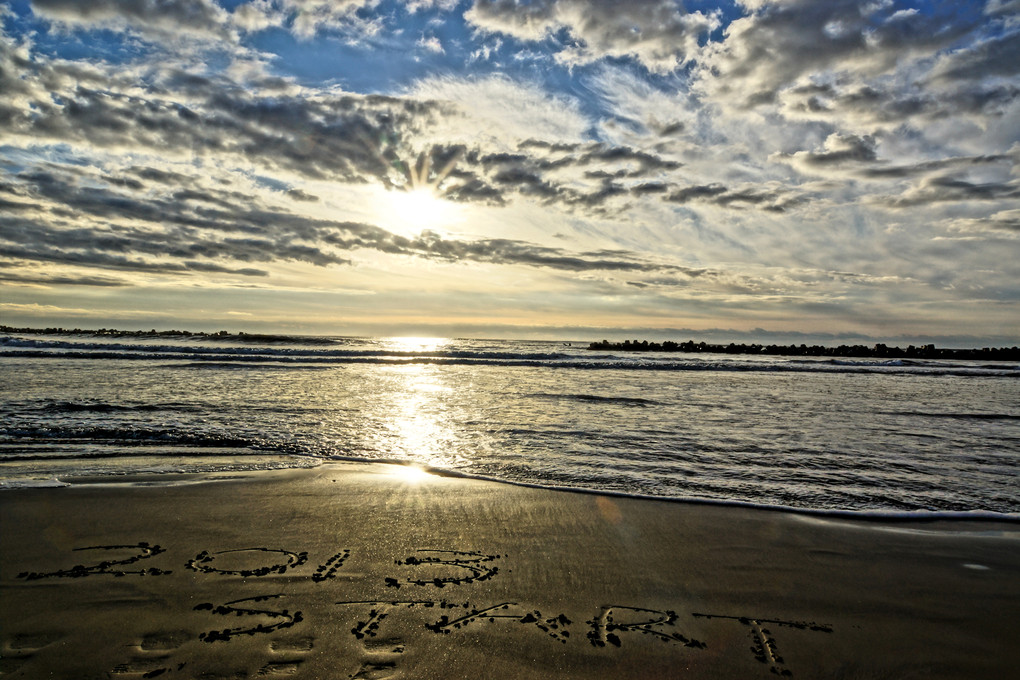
(417, 344)
(421, 419)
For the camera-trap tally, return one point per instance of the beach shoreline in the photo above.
(357, 570)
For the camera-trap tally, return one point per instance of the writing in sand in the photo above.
(266, 613)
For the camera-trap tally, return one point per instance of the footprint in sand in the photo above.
(165, 641)
(387, 646)
(19, 648)
(375, 670)
(293, 648)
(29, 642)
(153, 654)
(381, 657)
(279, 668)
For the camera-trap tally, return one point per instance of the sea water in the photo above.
(815, 434)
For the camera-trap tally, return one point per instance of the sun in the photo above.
(416, 210)
(413, 200)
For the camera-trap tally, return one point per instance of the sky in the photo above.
(514, 168)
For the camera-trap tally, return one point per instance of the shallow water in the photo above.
(808, 433)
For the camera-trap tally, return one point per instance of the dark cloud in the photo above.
(191, 18)
(650, 188)
(659, 34)
(473, 189)
(568, 147)
(842, 148)
(204, 231)
(95, 258)
(536, 174)
(998, 56)
(769, 198)
(780, 42)
(346, 138)
(942, 189)
(702, 191)
(511, 252)
(61, 280)
(941, 165)
(872, 103)
(299, 195)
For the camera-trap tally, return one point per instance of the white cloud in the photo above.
(499, 112)
(431, 44)
(257, 15)
(415, 6)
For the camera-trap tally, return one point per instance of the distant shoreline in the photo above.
(877, 351)
(215, 335)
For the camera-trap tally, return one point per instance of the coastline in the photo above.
(358, 570)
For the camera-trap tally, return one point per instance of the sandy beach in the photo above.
(365, 571)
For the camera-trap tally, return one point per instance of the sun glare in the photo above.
(408, 344)
(414, 202)
(416, 210)
(410, 474)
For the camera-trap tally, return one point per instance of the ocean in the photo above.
(860, 436)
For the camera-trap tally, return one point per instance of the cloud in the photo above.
(780, 43)
(772, 198)
(838, 149)
(866, 104)
(658, 33)
(122, 226)
(834, 161)
(499, 112)
(950, 188)
(414, 6)
(431, 44)
(1004, 224)
(62, 280)
(257, 15)
(350, 138)
(998, 56)
(178, 18)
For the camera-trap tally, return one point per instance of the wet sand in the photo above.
(356, 571)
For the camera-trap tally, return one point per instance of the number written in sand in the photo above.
(246, 562)
(204, 562)
(280, 619)
(468, 568)
(139, 551)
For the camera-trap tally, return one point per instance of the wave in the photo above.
(137, 437)
(97, 407)
(275, 352)
(595, 398)
(233, 358)
(874, 515)
(195, 352)
(959, 416)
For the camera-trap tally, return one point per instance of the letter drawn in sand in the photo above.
(764, 645)
(470, 561)
(607, 624)
(281, 619)
(379, 610)
(328, 569)
(555, 627)
(203, 562)
(142, 550)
